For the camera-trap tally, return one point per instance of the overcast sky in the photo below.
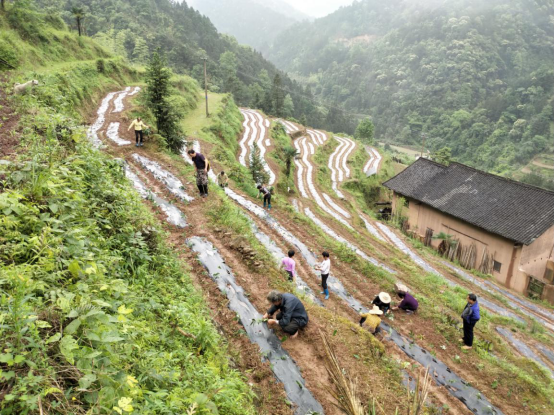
(318, 8)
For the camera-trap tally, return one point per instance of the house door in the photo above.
(535, 288)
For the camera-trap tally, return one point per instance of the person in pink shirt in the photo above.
(289, 265)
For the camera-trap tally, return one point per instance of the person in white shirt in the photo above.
(324, 267)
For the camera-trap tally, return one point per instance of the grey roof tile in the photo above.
(514, 210)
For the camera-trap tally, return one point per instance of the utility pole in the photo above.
(206, 85)
(423, 146)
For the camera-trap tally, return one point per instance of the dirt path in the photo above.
(9, 119)
(542, 165)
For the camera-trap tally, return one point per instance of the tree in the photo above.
(442, 156)
(364, 131)
(141, 51)
(304, 120)
(289, 155)
(157, 95)
(277, 96)
(79, 14)
(257, 166)
(288, 106)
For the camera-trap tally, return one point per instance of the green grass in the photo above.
(196, 121)
(29, 40)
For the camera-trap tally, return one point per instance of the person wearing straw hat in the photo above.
(382, 301)
(372, 319)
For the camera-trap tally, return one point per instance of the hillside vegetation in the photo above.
(474, 76)
(97, 313)
(134, 31)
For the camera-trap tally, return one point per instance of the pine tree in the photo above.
(157, 93)
(277, 96)
(304, 120)
(257, 166)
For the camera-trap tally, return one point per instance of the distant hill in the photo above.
(477, 76)
(252, 22)
(186, 36)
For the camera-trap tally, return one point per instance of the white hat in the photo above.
(400, 287)
(375, 311)
(384, 297)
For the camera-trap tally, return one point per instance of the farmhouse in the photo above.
(487, 222)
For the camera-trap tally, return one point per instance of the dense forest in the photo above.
(475, 76)
(252, 22)
(135, 29)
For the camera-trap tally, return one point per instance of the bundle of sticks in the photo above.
(6, 63)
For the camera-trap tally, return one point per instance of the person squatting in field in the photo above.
(292, 315)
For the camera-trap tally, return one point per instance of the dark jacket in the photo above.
(380, 304)
(409, 303)
(199, 161)
(292, 309)
(471, 313)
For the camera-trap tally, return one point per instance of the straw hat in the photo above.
(375, 311)
(400, 287)
(384, 297)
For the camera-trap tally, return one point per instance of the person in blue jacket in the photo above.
(292, 315)
(470, 316)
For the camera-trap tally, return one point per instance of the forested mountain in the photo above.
(472, 75)
(252, 22)
(136, 28)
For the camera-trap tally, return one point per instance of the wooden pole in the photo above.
(206, 86)
(423, 146)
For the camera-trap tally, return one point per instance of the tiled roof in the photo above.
(511, 209)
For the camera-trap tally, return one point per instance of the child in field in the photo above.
(325, 268)
(289, 265)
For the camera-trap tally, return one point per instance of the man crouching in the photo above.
(292, 315)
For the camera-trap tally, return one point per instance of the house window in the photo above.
(496, 266)
(407, 203)
(535, 288)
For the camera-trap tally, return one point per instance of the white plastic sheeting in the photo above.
(372, 230)
(344, 241)
(173, 184)
(174, 215)
(118, 102)
(92, 132)
(374, 161)
(255, 131)
(113, 135)
(313, 190)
